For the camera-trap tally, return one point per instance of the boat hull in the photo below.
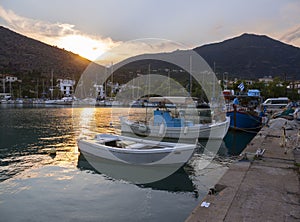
(172, 153)
(244, 120)
(201, 131)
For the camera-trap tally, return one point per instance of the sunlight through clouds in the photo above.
(61, 35)
(92, 47)
(86, 46)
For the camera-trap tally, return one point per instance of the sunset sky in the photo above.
(92, 27)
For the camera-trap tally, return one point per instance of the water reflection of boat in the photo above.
(179, 181)
(141, 161)
(236, 141)
(176, 182)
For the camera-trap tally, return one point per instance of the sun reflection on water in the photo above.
(86, 121)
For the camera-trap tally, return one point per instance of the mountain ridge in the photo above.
(248, 56)
(252, 56)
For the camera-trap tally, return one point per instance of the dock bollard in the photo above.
(283, 140)
(52, 151)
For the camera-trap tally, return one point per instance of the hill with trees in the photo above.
(20, 55)
(252, 56)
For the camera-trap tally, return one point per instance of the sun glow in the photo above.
(85, 46)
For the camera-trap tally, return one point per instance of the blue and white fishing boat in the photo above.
(166, 125)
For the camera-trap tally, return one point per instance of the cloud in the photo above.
(93, 47)
(68, 37)
(290, 15)
(291, 36)
(35, 27)
(58, 34)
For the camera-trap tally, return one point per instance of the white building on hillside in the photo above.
(266, 79)
(66, 86)
(11, 79)
(100, 93)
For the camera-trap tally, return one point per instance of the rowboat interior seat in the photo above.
(124, 143)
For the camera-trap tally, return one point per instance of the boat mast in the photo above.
(214, 79)
(20, 91)
(133, 87)
(105, 82)
(51, 84)
(96, 87)
(190, 88)
(112, 78)
(4, 85)
(149, 80)
(169, 83)
(225, 80)
(146, 118)
(37, 88)
(10, 88)
(138, 84)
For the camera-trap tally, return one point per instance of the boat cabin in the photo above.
(164, 116)
(253, 92)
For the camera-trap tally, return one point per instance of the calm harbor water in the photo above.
(35, 186)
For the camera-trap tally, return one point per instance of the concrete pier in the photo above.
(259, 188)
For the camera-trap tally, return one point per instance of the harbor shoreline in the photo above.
(263, 185)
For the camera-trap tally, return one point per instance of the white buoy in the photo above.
(185, 130)
(284, 140)
(161, 129)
